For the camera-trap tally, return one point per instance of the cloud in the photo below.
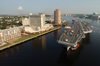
(63, 3)
(20, 8)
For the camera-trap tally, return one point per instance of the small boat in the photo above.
(24, 34)
(74, 48)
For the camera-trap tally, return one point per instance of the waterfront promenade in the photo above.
(16, 43)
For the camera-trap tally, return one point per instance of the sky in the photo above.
(48, 6)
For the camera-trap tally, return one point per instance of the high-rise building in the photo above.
(37, 20)
(36, 23)
(57, 16)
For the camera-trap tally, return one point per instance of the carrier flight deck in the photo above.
(74, 33)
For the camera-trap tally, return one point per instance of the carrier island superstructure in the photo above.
(74, 33)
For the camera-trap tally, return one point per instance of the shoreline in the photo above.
(14, 44)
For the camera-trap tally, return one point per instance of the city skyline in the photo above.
(44, 6)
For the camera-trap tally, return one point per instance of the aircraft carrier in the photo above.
(74, 33)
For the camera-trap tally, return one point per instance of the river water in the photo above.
(45, 51)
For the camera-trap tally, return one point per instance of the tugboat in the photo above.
(74, 33)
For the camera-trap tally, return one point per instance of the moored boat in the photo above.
(24, 34)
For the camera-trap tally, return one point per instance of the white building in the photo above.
(25, 21)
(96, 16)
(36, 23)
(37, 20)
(94, 13)
(9, 34)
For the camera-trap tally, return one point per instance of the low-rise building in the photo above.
(96, 16)
(0, 19)
(25, 21)
(8, 20)
(8, 35)
(10, 26)
(63, 21)
(1, 22)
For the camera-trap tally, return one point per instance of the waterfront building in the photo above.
(36, 23)
(9, 34)
(96, 16)
(57, 16)
(37, 20)
(94, 13)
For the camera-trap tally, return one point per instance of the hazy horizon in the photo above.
(48, 7)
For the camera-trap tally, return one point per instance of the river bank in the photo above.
(24, 38)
